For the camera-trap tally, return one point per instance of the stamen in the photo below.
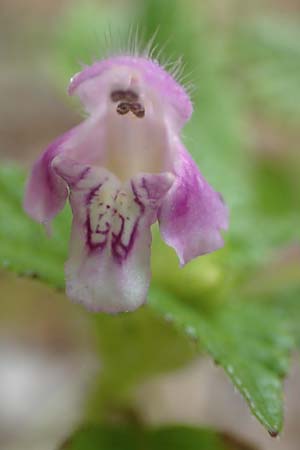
(131, 96)
(123, 108)
(138, 110)
(116, 96)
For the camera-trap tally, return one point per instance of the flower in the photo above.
(123, 168)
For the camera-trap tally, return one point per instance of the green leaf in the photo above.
(134, 347)
(287, 300)
(129, 438)
(248, 340)
(292, 311)
(24, 246)
(268, 59)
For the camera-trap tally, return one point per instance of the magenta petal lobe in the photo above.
(193, 214)
(46, 192)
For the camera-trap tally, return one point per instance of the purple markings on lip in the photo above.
(137, 199)
(119, 249)
(92, 194)
(90, 230)
(92, 245)
(80, 177)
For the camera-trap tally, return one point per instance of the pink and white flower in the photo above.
(124, 168)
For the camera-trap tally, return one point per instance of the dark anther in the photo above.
(137, 109)
(131, 96)
(116, 96)
(123, 108)
(127, 96)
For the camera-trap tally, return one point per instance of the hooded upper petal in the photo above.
(193, 214)
(109, 260)
(90, 84)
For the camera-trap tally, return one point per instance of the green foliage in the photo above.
(84, 34)
(248, 340)
(24, 247)
(269, 61)
(208, 304)
(175, 438)
(133, 347)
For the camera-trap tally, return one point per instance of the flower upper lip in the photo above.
(153, 74)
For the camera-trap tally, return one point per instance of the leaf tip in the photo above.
(273, 433)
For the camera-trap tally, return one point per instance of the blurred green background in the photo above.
(243, 62)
